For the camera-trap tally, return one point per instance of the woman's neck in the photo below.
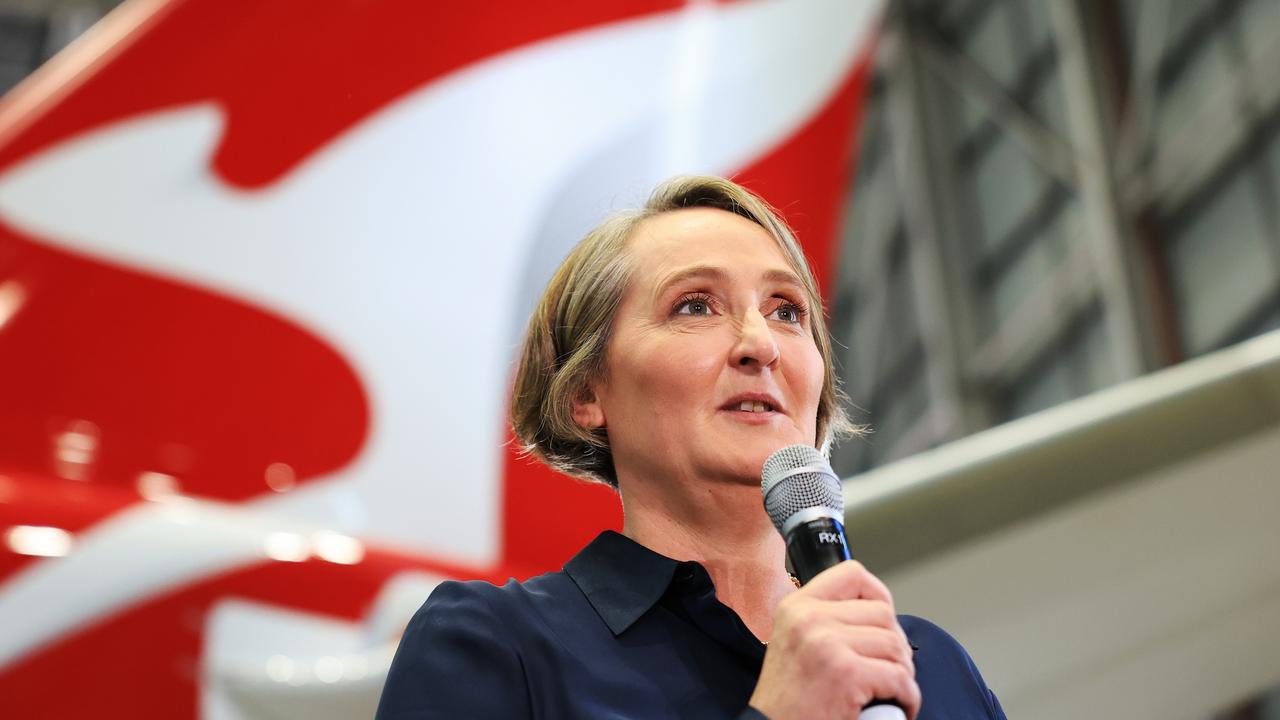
(726, 530)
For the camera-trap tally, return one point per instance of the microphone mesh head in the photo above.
(785, 495)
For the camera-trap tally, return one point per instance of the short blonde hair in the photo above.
(568, 335)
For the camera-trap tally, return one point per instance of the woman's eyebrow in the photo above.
(710, 272)
(784, 277)
(718, 274)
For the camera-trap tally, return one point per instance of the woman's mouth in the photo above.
(753, 408)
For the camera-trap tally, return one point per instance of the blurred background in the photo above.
(1048, 232)
(1053, 198)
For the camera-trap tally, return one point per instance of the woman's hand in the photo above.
(836, 646)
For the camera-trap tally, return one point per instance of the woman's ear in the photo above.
(587, 411)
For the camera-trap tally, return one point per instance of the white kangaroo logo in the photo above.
(411, 244)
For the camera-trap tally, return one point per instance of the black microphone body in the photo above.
(805, 500)
(816, 545)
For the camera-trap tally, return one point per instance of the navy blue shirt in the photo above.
(621, 632)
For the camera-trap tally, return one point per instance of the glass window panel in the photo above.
(1260, 23)
(1079, 364)
(21, 39)
(1199, 82)
(1179, 16)
(950, 12)
(1007, 185)
(862, 347)
(11, 75)
(907, 405)
(973, 112)
(1264, 706)
(1043, 387)
(1273, 152)
(961, 113)
(874, 194)
(1049, 104)
(847, 457)
(1130, 12)
(874, 143)
(853, 245)
(1268, 320)
(1017, 282)
(1272, 322)
(991, 45)
(68, 21)
(875, 208)
(843, 348)
(1092, 360)
(1038, 23)
(1269, 706)
(1182, 15)
(1221, 265)
(935, 8)
(900, 328)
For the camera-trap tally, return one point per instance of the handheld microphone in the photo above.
(805, 501)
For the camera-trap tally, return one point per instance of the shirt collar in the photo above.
(621, 578)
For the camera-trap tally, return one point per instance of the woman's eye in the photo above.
(694, 307)
(789, 313)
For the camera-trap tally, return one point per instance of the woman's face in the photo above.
(712, 364)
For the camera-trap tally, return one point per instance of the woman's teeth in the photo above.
(754, 406)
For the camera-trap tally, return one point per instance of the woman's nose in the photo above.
(756, 345)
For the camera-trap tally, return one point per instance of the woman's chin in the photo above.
(750, 458)
(774, 432)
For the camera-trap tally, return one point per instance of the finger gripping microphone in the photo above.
(805, 501)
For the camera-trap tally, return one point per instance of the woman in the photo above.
(674, 350)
